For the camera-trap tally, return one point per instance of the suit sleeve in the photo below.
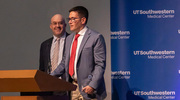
(100, 62)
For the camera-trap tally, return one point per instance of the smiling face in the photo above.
(76, 22)
(58, 25)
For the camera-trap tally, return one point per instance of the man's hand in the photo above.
(88, 90)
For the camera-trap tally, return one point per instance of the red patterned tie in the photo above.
(73, 54)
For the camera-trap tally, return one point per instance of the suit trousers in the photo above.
(76, 95)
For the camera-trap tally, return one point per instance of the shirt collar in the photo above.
(62, 37)
(82, 32)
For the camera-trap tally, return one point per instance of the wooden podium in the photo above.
(32, 81)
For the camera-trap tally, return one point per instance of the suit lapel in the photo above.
(49, 43)
(85, 38)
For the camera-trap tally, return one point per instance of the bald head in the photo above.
(57, 16)
(58, 25)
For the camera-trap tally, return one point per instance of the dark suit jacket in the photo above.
(91, 63)
(44, 61)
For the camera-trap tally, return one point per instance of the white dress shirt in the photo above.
(61, 47)
(80, 38)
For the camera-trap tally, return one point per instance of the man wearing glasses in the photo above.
(84, 61)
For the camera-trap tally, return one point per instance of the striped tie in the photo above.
(55, 56)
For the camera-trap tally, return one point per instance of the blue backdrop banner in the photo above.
(145, 50)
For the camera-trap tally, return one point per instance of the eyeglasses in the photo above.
(72, 19)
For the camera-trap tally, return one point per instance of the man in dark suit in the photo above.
(85, 58)
(47, 50)
(52, 49)
(48, 57)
